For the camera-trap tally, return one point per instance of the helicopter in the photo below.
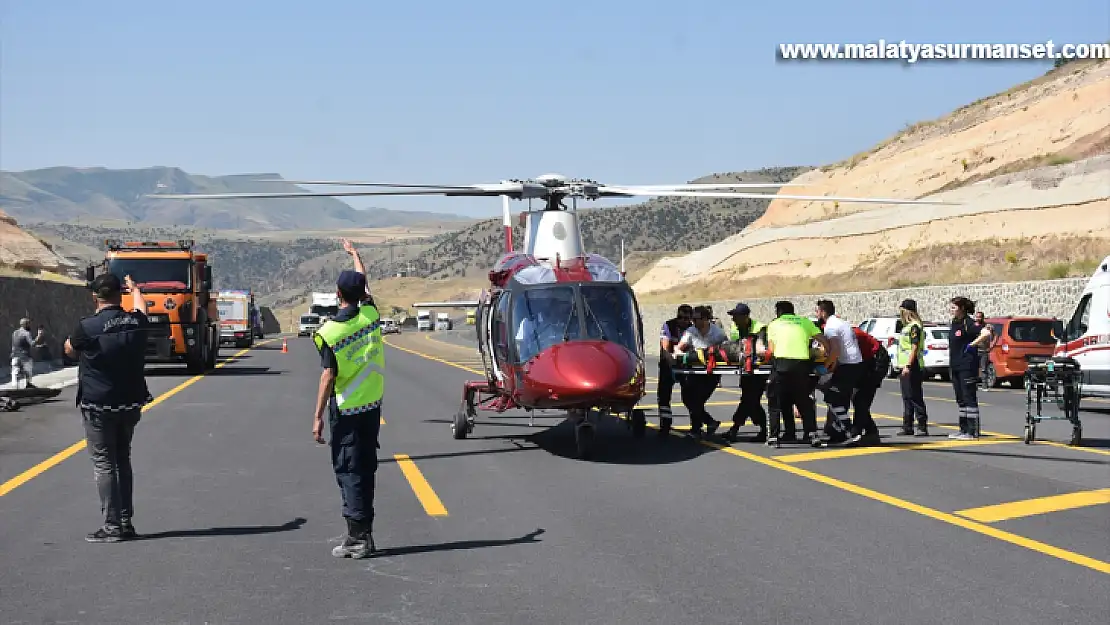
(558, 328)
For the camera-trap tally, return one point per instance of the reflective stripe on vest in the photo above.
(360, 354)
(905, 347)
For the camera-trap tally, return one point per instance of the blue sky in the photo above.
(623, 92)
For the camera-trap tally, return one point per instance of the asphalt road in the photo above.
(240, 510)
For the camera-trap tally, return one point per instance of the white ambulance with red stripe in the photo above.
(1087, 334)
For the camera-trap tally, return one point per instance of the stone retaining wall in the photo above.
(1039, 297)
(55, 305)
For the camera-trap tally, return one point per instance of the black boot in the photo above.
(358, 543)
(665, 426)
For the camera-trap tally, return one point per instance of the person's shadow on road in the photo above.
(242, 530)
(530, 537)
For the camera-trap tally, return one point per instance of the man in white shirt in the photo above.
(846, 365)
(698, 388)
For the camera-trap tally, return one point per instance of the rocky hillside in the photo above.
(669, 224)
(92, 195)
(22, 252)
(279, 271)
(1029, 167)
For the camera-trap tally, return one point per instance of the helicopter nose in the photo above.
(585, 369)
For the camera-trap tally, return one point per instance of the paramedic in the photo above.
(789, 338)
(964, 341)
(751, 386)
(697, 389)
(669, 335)
(911, 370)
(846, 364)
(876, 363)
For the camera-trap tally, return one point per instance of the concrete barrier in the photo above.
(1038, 297)
(56, 305)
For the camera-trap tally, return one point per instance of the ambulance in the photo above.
(1086, 337)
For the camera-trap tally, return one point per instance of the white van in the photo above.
(1086, 337)
(424, 320)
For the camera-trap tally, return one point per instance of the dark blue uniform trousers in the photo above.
(354, 457)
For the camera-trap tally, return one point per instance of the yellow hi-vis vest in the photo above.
(360, 353)
(905, 347)
(734, 333)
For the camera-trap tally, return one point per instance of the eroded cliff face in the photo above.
(20, 250)
(1031, 161)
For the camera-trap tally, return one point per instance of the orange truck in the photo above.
(177, 283)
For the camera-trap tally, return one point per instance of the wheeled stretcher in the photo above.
(1058, 379)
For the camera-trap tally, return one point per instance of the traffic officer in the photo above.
(911, 369)
(964, 340)
(789, 338)
(352, 386)
(751, 386)
(669, 335)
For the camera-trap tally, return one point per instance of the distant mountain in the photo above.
(91, 195)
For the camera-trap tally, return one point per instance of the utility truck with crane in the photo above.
(177, 283)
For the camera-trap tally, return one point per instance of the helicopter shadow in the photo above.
(613, 442)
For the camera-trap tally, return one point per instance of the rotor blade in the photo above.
(705, 185)
(619, 192)
(445, 304)
(358, 183)
(514, 190)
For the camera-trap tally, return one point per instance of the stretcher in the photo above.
(1057, 380)
(735, 358)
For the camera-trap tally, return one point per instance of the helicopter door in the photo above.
(498, 332)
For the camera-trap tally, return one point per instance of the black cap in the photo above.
(106, 285)
(740, 309)
(909, 304)
(351, 281)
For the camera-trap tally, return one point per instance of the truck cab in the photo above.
(308, 324)
(176, 281)
(238, 318)
(443, 322)
(424, 320)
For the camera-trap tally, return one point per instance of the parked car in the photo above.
(936, 352)
(389, 326)
(884, 329)
(1017, 341)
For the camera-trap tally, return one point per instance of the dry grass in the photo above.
(358, 235)
(49, 276)
(1013, 260)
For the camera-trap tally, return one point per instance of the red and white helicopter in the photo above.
(558, 328)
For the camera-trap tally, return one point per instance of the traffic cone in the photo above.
(284, 346)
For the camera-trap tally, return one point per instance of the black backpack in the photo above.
(882, 364)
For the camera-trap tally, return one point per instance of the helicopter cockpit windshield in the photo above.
(548, 315)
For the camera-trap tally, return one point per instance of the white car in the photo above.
(936, 352)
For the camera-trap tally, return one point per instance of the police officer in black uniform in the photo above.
(111, 393)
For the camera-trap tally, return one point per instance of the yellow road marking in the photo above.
(885, 449)
(57, 458)
(946, 517)
(930, 397)
(420, 486)
(952, 519)
(1040, 505)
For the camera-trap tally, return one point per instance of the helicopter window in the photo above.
(544, 317)
(610, 315)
